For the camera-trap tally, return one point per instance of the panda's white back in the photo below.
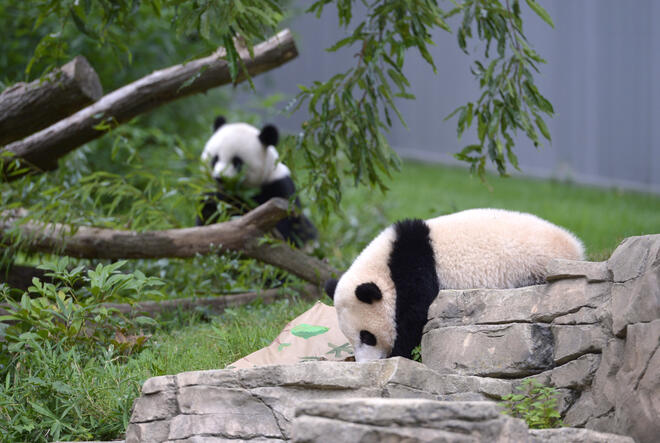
(495, 248)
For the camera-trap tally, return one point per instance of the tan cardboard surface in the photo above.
(314, 335)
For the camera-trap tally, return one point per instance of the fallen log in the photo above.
(243, 234)
(26, 108)
(40, 151)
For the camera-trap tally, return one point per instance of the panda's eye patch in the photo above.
(368, 292)
(237, 162)
(214, 160)
(368, 338)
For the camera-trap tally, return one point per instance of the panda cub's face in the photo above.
(365, 317)
(240, 149)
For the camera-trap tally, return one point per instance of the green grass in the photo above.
(68, 394)
(197, 345)
(600, 217)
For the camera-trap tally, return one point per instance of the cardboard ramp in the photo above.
(314, 335)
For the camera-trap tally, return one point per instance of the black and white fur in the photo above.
(241, 150)
(382, 301)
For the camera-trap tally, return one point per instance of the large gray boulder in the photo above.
(593, 332)
(260, 403)
(413, 420)
(409, 420)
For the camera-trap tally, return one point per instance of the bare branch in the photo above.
(40, 151)
(29, 107)
(243, 234)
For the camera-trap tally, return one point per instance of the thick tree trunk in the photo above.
(244, 235)
(29, 107)
(41, 150)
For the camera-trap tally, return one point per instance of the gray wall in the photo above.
(602, 77)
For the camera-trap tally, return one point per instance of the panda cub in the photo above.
(382, 301)
(239, 150)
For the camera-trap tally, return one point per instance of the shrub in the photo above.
(61, 352)
(534, 403)
(69, 310)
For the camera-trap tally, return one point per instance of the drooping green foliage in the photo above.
(510, 100)
(349, 114)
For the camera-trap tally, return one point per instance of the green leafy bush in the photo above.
(534, 403)
(417, 353)
(69, 310)
(62, 350)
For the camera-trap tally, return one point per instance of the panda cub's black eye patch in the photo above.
(237, 162)
(214, 160)
(368, 338)
(368, 292)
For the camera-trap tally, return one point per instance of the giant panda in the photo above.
(241, 151)
(382, 300)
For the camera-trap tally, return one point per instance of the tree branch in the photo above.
(29, 107)
(243, 234)
(40, 151)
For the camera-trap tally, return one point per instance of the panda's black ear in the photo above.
(269, 136)
(219, 121)
(330, 287)
(368, 293)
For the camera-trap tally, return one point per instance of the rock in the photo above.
(541, 303)
(638, 383)
(483, 306)
(238, 424)
(560, 269)
(409, 420)
(570, 342)
(259, 403)
(576, 374)
(509, 350)
(563, 435)
(587, 315)
(633, 257)
(636, 300)
(158, 384)
(563, 297)
(151, 432)
(152, 407)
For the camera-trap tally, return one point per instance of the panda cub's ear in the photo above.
(269, 136)
(330, 287)
(219, 121)
(368, 293)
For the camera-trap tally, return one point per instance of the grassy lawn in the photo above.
(600, 217)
